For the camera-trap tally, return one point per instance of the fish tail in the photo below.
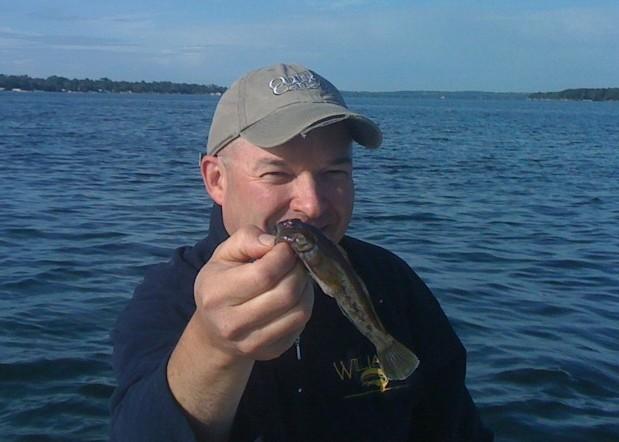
(397, 361)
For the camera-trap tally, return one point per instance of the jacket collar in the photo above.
(217, 232)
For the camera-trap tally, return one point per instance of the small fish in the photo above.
(328, 265)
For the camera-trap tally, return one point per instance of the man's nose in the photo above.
(309, 197)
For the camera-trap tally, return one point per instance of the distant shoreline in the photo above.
(435, 95)
(25, 83)
(582, 94)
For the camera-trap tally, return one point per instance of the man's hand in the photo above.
(253, 298)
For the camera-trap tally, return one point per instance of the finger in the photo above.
(271, 304)
(252, 279)
(275, 337)
(245, 245)
(260, 310)
(233, 285)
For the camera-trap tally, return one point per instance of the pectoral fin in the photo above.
(346, 314)
(326, 289)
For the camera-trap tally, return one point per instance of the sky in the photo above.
(363, 45)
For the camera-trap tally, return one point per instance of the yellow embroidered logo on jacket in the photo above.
(365, 376)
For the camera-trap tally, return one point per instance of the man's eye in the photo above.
(275, 176)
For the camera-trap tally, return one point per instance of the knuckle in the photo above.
(288, 299)
(265, 278)
(300, 317)
(249, 347)
(206, 300)
(246, 233)
(229, 330)
(218, 251)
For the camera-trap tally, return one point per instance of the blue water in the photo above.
(509, 210)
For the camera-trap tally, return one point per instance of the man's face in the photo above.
(309, 178)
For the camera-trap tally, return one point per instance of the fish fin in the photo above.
(397, 361)
(324, 287)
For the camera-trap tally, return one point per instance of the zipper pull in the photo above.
(298, 344)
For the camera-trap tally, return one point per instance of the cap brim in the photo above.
(285, 124)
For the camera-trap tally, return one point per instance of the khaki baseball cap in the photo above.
(272, 105)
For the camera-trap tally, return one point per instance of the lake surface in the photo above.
(508, 209)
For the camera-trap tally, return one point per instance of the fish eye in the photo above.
(302, 243)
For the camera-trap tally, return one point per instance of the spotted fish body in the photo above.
(328, 265)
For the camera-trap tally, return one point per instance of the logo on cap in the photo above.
(302, 80)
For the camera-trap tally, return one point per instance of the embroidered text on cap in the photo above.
(302, 80)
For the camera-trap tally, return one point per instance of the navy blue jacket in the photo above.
(330, 388)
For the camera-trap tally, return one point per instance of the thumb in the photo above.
(245, 245)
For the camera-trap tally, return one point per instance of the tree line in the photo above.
(579, 94)
(62, 84)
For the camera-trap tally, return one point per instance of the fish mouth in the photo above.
(302, 237)
(291, 227)
(284, 229)
(296, 225)
(293, 223)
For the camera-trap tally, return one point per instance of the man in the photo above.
(231, 340)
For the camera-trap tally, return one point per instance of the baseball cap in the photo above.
(272, 105)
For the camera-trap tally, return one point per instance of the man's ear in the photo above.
(214, 177)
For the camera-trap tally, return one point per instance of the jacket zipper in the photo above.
(298, 344)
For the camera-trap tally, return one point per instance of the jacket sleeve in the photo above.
(143, 407)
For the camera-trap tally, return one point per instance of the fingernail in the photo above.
(267, 240)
